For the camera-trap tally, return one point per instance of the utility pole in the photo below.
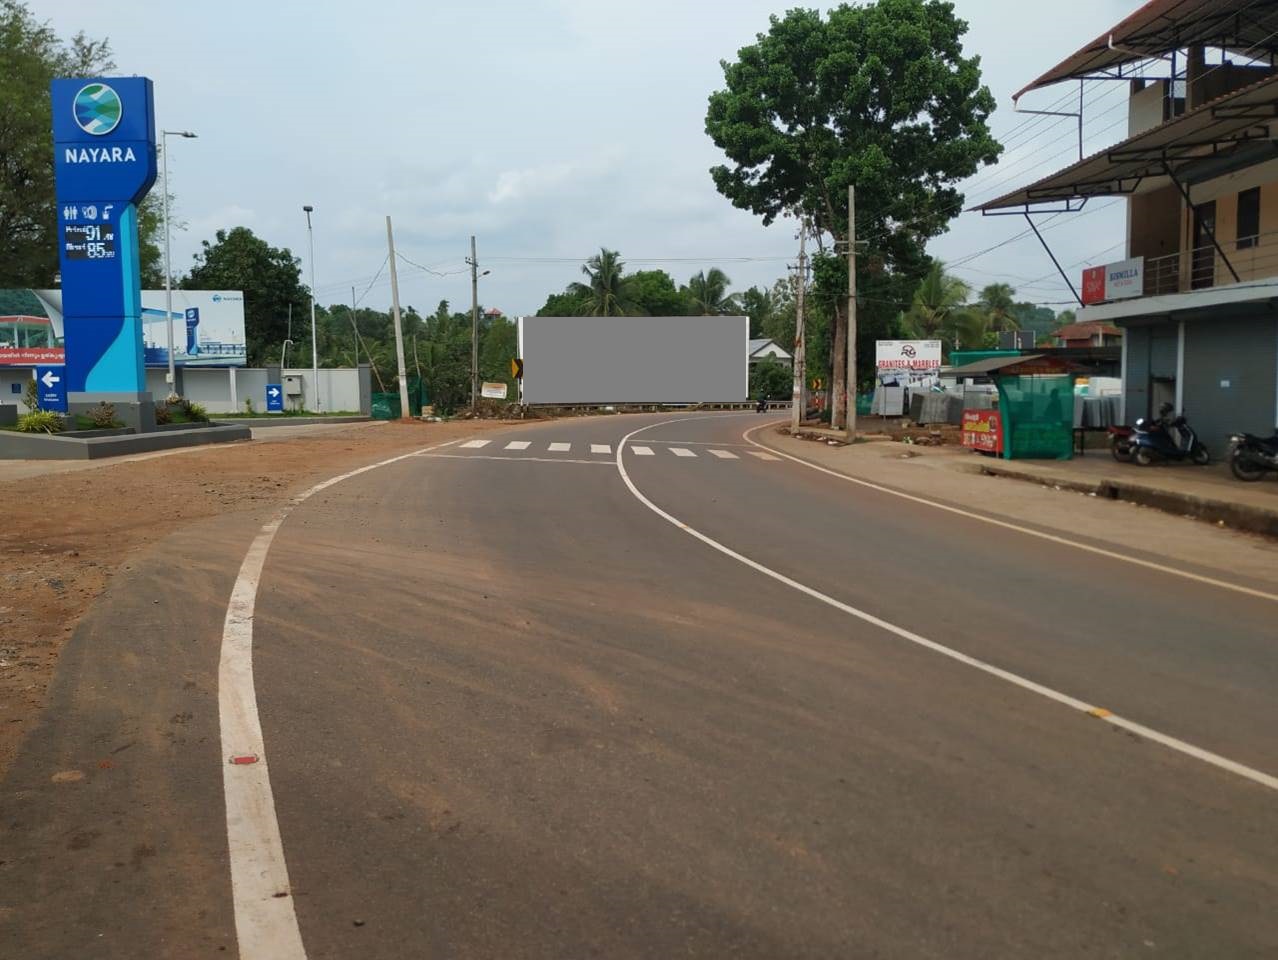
(399, 330)
(800, 334)
(310, 236)
(851, 376)
(355, 326)
(474, 328)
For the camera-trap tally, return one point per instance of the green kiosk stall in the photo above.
(1035, 415)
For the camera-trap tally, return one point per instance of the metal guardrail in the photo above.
(1255, 258)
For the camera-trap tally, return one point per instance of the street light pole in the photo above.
(310, 238)
(168, 271)
(474, 328)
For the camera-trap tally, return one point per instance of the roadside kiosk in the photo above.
(1035, 415)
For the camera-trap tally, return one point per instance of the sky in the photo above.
(547, 129)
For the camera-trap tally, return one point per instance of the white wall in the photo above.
(338, 389)
(8, 377)
(211, 387)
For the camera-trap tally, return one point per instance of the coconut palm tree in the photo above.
(998, 300)
(607, 293)
(937, 298)
(708, 291)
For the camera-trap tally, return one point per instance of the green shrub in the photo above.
(31, 395)
(195, 412)
(41, 421)
(163, 415)
(248, 406)
(102, 416)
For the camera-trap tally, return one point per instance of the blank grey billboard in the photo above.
(570, 360)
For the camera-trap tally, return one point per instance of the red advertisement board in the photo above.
(1093, 285)
(982, 430)
(32, 356)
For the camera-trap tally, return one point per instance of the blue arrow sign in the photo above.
(53, 389)
(274, 398)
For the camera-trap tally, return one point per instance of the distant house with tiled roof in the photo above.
(1088, 334)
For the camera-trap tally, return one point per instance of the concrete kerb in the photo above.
(35, 446)
(1248, 517)
(256, 422)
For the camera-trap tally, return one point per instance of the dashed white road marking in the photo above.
(559, 447)
(265, 921)
(724, 454)
(518, 445)
(682, 452)
(761, 455)
(475, 444)
(1091, 710)
(642, 451)
(601, 448)
(525, 459)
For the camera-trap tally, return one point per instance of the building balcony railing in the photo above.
(1253, 258)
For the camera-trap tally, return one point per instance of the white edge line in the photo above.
(1188, 749)
(1007, 525)
(265, 921)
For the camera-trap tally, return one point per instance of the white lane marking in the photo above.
(265, 921)
(724, 454)
(559, 447)
(600, 448)
(681, 452)
(642, 451)
(1028, 531)
(1100, 713)
(475, 444)
(518, 445)
(762, 456)
(490, 456)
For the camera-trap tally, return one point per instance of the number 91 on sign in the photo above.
(89, 241)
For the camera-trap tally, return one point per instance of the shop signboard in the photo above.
(1114, 281)
(902, 367)
(983, 431)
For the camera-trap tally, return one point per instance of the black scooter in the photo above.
(1164, 440)
(1251, 457)
(762, 405)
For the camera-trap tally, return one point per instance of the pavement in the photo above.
(641, 687)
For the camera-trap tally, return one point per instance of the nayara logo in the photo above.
(217, 298)
(97, 109)
(908, 351)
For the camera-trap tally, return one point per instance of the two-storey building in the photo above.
(1196, 295)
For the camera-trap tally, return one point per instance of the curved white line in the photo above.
(1006, 525)
(265, 921)
(1216, 760)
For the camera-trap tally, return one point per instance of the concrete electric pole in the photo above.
(800, 335)
(850, 380)
(310, 238)
(399, 329)
(474, 328)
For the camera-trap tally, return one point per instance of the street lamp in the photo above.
(310, 236)
(168, 272)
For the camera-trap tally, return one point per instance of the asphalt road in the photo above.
(511, 711)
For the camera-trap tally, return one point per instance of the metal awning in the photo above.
(1227, 123)
(1248, 27)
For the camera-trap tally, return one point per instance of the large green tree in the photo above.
(879, 97)
(707, 291)
(654, 293)
(31, 55)
(271, 278)
(998, 301)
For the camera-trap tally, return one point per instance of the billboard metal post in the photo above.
(168, 270)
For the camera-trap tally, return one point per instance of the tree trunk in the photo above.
(839, 360)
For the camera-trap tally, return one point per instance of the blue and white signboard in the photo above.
(274, 398)
(53, 388)
(104, 163)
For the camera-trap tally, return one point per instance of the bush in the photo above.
(41, 421)
(31, 395)
(102, 416)
(248, 406)
(163, 415)
(194, 412)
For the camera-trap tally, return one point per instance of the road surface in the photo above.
(560, 693)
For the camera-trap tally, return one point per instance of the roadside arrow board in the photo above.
(274, 398)
(53, 389)
(517, 368)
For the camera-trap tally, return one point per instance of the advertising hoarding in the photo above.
(611, 360)
(208, 328)
(902, 367)
(983, 431)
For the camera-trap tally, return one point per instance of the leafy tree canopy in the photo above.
(271, 278)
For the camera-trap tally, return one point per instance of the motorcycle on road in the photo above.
(1251, 457)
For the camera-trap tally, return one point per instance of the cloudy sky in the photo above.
(547, 128)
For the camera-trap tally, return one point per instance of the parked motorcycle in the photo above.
(1120, 443)
(1167, 439)
(1251, 457)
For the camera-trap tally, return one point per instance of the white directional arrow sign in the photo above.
(49, 379)
(274, 391)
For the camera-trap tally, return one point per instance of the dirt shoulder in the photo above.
(66, 533)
